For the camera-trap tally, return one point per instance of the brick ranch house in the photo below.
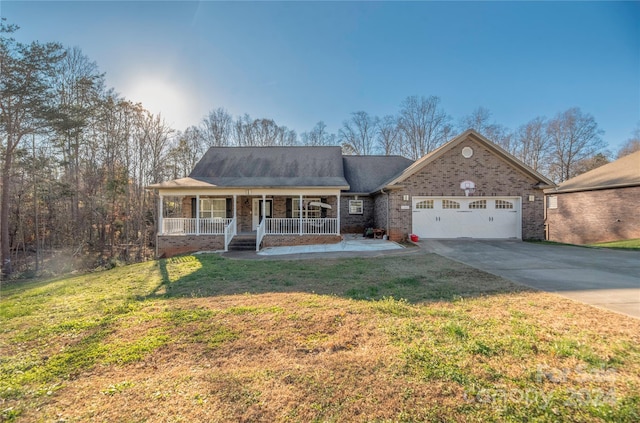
(469, 187)
(597, 206)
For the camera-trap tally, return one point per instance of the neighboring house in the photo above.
(598, 206)
(468, 188)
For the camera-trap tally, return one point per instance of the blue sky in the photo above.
(302, 62)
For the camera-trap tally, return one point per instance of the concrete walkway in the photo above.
(601, 277)
(349, 244)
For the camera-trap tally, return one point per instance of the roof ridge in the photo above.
(274, 146)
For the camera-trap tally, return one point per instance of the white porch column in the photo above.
(160, 211)
(197, 214)
(235, 212)
(264, 207)
(300, 214)
(338, 226)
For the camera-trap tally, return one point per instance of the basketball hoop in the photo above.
(469, 187)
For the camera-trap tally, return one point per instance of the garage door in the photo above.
(467, 217)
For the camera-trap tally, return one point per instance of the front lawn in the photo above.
(399, 338)
(627, 244)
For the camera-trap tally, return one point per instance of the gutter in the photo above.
(560, 190)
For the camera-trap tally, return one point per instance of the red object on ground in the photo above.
(414, 238)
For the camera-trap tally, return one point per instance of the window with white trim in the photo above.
(478, 204)
(213, 208)
(308, 211)
(450, 204)
(504, 204)
(356, 206)
(424, 204)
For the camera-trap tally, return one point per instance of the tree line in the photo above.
(75, 156)
(560, 147)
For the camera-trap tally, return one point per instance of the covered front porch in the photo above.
(192, 221)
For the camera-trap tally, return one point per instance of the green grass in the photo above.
(627, 244)
(409, 338)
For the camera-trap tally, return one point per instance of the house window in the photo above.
(213, 208)
(503, 204)
(424, 204)
(479, 204)
(356, 207)
(308, 211)
(552, 202)
(450, 204)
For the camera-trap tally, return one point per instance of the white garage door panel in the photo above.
(500, 217)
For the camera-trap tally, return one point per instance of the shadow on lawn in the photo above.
(416, 278)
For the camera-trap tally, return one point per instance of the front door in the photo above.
(257, 212)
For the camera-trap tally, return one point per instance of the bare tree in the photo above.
(286, 136)
(243, 131)
(156, 136)
(318, 136)
(591, 163)
(533, 144)
(78, 90)
(631, 145)
(480, 121)
(424, 124)
(574, 136)
(185, 153)
(357, 134)
(389, 135)
(265, 132)
(262, 132)
(217, 128)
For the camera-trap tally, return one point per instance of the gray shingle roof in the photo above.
(366, 173)
(623, 172)
(271, 167)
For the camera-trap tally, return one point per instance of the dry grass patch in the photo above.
(209, 339)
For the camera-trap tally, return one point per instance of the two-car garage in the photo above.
(467, 217)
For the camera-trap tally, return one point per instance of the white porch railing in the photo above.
(306, 226)
(193, 226)
(229, 232)
(260, 231)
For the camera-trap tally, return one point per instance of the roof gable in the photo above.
(623, 172)
(470, 133)
(271, 167)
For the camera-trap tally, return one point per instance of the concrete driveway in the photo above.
(601, 277)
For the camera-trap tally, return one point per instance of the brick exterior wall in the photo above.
(284, 240)
(492, 175)
(595, 216)
(244, 212)
(356, 223)
(171, 245)
(186, 207)
(380, 218)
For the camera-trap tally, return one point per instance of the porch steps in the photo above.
(243, 243)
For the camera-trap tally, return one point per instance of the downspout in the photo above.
(545, 216)
(197, 214)
(160, 223)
